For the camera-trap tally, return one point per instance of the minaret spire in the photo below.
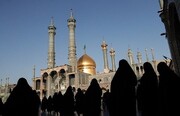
(147, 58)
(130, 56)
(152, 52)
(72, 44)
(104, 49)
(139, 57)
(52, 21)
(34, 71)
(153, 60)
(71, 14)
(112, 54)
(51, 49)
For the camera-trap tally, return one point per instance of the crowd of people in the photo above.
(152, 95)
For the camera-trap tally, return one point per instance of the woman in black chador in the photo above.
(169, 91)
(23, 101)
(49, 105)
(60, 102)
(147, 92)
(44, 104)
(68, 103)
(79, 105)
(93, 99)
(122, 97)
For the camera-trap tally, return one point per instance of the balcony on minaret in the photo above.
(51, 27)
(71, 19)
(104, 45)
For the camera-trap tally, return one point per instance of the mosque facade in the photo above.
(79, 72)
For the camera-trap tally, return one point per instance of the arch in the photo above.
(137, 68)
(141, 67)
(53, 73)
(45, 75)
(71, 79)
(38, 84)
(62, 71)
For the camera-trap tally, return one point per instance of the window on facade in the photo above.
(71, 79)
(38, 85)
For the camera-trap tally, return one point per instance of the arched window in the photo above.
(37, 84)
(45, 75)
(71, 79)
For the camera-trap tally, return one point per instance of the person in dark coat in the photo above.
(37, 101)
(44, 104)
(55, 103)
(93, 99)
(147, 91)
(60, 102)
(123, 97)
(79, 105)
(68, 102)
(106, 103)
(22, 101)
(49, 105)
(169, 91)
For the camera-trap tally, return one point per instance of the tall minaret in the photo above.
(112, 54)
(104, 49)
(147, 58)
(152, 52)
(34, 76)
(51, 49)
(130, 56)
(72, 45)
(153, 59)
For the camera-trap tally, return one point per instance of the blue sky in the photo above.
(122, 24)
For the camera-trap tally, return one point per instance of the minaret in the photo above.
(153, 59)
(34, 71)
(51, 49)
(72, 45)
(104, 49)
(152, 52)
(130, 56)
(34, 76)
(112, 54)
(147, 59)
(139, 57)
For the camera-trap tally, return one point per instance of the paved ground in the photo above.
(53, 114)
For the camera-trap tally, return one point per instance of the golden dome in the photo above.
(86, 60)
(86, 64)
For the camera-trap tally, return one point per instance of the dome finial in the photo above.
(84, 49)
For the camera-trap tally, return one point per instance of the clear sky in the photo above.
(122, 24)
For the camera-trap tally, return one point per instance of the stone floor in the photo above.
(53, 114)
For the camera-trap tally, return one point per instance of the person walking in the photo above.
(122, 96)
